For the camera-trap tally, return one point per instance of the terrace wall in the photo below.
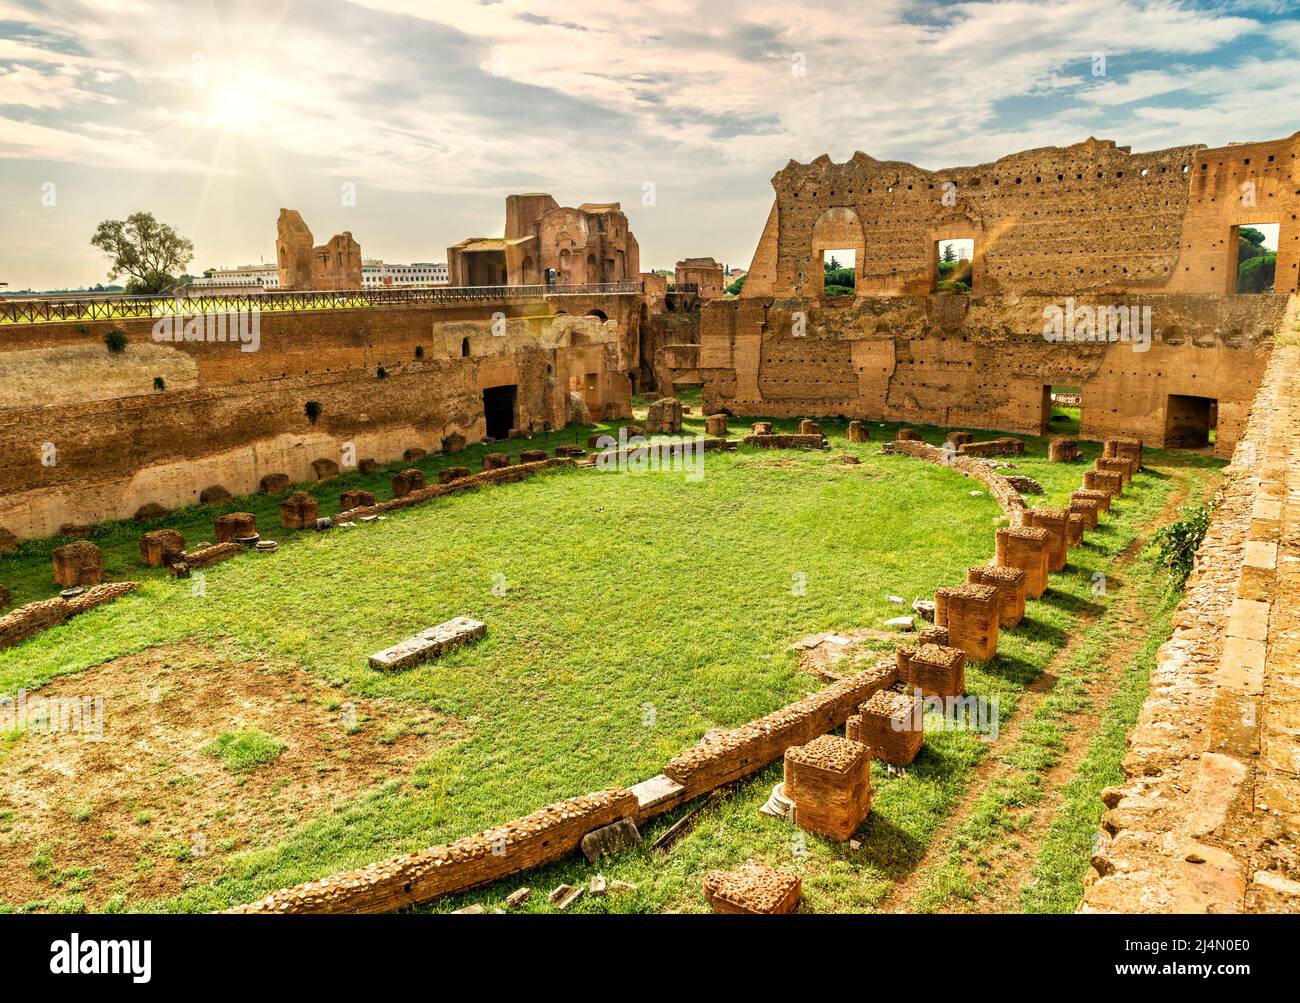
(1208, 818)
(228, 417)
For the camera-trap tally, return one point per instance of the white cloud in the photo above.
(462, 101)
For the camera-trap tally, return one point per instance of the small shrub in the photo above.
(312, 409)
(116, 342)
(1175, 545)
(244, 750)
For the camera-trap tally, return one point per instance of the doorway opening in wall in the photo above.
(1062, 410)
(839, 271)
(499, 410)
(1256, 245)
(1190, 422)
(953, 268)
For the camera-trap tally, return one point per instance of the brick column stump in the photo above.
(829, 781)
(1010, 583)
(890, 726)
(79, 563)
(229, 528)
(160, 547)
(299, 511)
(1026, 548)
(937, 670)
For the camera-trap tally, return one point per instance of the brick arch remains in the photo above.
(836, 228)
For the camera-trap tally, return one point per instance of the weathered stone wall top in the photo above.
(1089, 217)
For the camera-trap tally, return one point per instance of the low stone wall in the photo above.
(1208, 816)
(731, 755)
(546, 835)
(27, 621)
(496, 475)
(555, 831)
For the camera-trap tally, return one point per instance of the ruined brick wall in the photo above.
(293, 250)
(336, 264)
(1207, 818)
(1089, 226)
(1092, 217)
(981, 361)
(702, 272)
(227, 417)
(1233, 186)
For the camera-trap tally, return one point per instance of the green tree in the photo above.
(1255, 275)
(148, 251)
(949, 254)
(735, 287)
(833, 264)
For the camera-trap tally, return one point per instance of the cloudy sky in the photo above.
(213, 115)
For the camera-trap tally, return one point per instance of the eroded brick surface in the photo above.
(1208, 816)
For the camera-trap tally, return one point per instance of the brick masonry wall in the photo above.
(983, 361)
(1208, 816)
(230, 417)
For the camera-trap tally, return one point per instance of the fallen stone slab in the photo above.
(620, 835)
(518, 897)
(656, 791)
(428, 644)
(900, 623)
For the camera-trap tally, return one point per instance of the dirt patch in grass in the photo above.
(142, 812)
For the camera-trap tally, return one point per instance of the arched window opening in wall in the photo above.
(839, 271)
(1255, 246)
(954, 265)
(1062, 411)
(837, 252)
(464, 348)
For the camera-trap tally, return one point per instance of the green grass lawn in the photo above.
(622, 593)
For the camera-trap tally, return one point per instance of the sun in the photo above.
(233, 108)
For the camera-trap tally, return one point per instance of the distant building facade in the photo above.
(377, 274)
(547, 244)
(249, 277)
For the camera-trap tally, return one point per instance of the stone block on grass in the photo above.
(428, 644)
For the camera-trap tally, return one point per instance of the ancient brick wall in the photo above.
(1085, 230)
(1091, 217)
(228, 417)
(982, 361)
(1207, 818)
